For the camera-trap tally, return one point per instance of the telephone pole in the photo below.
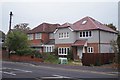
(11, 14)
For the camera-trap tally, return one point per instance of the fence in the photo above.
(97, 58)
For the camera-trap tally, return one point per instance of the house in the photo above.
(84, 36)
(42, 37)
(2, 38)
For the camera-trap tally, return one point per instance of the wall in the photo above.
(93, 39)
(106, 37)
(51, 36)
(71, 39)
(45, 37)
(106, 48)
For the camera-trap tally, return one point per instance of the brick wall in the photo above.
(95, 46)
(45, 37)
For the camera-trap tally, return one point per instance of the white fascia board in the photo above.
(70, 28)
(55, 31)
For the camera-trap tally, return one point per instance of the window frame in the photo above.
(85, 34)
(63, 50)
(63, 35)
(30, 36)
(38, 35)
(90, 49)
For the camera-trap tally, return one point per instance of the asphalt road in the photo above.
(46, 72)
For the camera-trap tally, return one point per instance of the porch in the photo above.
(79, 47)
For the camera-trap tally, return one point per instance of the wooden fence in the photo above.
(97, 58)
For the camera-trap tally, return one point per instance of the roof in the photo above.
(79, 43)
(88, 23)
(65, 25)
(44, 27)
(51, 42)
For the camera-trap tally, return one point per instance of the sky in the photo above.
(35, 13)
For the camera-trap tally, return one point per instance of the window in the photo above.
(30, 36)
(49, 48)
(90, 50)
(37, 35)
(85, 34)
(63, 35)
(63, 51)
(84, 22)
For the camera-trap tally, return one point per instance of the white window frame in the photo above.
(30, 36)
(49, 48)
(90, 50)
(64, 35)
(37, 35)
(86, 33)
(63, 50)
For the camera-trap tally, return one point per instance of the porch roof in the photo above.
(79, 43)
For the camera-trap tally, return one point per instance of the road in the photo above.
(40, 72)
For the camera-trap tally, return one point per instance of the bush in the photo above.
(37, 54)
(24, 52)
(50, 58)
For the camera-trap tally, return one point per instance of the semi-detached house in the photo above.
(84, 36)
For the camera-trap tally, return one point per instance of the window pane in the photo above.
(67, 34)
(90, 33)
(64, 35)
(86, 33)
(80, 34)
(83, 34)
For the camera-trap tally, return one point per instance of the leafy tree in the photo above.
(115, 49)
(111, 26)
(22, 27)
(118, 43)
(16, 40)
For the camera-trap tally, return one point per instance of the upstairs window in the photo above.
(30, 36)
(37, 35)
(84, 34)
(63, 35)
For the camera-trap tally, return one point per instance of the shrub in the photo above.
(50, 58)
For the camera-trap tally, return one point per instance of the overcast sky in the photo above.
(36, 13)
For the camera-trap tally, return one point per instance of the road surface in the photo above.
(42, 72)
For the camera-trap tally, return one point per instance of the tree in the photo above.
(111, 26)
(115, 49)
(22, 27)
(16, 40)
(118, 43)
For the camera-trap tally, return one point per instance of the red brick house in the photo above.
(42, 38)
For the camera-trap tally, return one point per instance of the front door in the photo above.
(79, 52)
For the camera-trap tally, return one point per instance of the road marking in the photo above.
(10, 73)
(55, 77)
(17, 69)
(59, 76)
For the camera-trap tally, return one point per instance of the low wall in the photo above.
(25, 58)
